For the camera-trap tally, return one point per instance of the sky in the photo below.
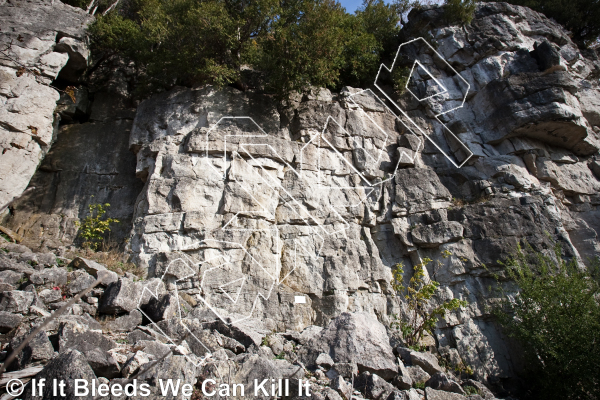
(352, 5)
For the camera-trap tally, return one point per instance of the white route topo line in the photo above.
(309, 220)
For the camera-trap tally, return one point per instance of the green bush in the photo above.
(460, 11)
(422, 315)
(581, 17)
(556, 318)
(93, 228)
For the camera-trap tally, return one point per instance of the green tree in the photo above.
(183, 42)
(581, 17)
(556, 318)
(422, 314)
(460, 11)
(304, 46)
(93, 228)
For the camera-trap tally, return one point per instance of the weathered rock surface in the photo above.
(288, 222)
(121, 296)
(68, 366)
(27, 112)
(358, 338)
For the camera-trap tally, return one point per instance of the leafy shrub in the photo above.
(460, 11)
(400, 76)
(422, 316)
(93, 228)
(471, 390)
(556, 318)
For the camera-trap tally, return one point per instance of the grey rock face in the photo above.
(121, 296)
(439, 381)
(68, 366)
(427, 361)
(9, 321)
(531, 120)
(16, 301)
(125, 323)
(373, 386)
(436, 234)
(100, 166)
(49, 277)
(27, 100)
(357, 338)
(432, 394)
(93, 345)
(39, 349)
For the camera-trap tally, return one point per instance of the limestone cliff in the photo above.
(247, 205)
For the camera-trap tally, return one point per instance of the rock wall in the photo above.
(40, 40)
(296, 214)
(248, 206)
(83, 141)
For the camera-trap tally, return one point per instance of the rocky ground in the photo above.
(112, 336)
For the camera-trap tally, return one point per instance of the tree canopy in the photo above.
(294, 44)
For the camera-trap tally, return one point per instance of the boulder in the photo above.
(134, 363)
(163, 307)
(80, 283)
(427, 361)
(484, 392)
(439, 381)
(51, 295)
(49, 277)
(90, 266)
(125, 323)
(432, 394)
(373, 386)
(346, 370)
(120, 297)
(354, 338)
(246, 332)
(16, 301)
(68, 366)
(344, 388)
(324, 360)
(138, 335)
(6, 287)
(402, 381)
(39, 349)
(417, 374)
(93, 345)
(13, 278)
(153, 347)
(308, 333)
(9, 321)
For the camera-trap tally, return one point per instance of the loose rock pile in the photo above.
(107, 336)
